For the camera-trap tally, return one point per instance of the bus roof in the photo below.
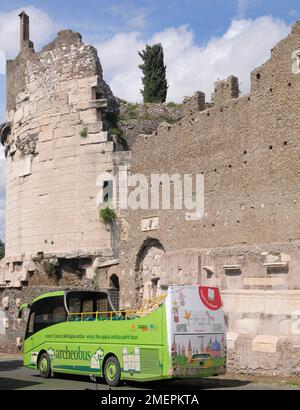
(63, 292)
(49, 295)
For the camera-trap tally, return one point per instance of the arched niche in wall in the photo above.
(147, 269)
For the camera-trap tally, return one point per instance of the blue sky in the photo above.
(203, 40)
(101, 20)
(207, 17)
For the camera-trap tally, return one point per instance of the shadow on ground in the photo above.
(8, 383)
(6, 366)
(13, 384)
(181, 385)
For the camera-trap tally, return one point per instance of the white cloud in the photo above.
(190, 67)
(41, 28)
(120, 60)
(242, 7)
(138, 20)
(132, 17)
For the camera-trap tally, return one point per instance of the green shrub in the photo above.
(171, 104)
(120, 137)
(132, 113)
(108, 216)
(115, 131)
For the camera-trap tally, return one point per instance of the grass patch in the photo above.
(174, 105)
(167, 118)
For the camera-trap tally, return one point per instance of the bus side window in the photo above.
(88, 306)
(74, 305)
(102, 305)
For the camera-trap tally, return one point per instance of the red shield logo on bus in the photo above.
(210, 297)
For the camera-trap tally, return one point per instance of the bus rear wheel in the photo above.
(112, 371)
(44, 366)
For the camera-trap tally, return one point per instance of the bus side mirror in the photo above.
(21, 308)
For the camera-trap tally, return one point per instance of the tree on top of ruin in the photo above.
(154, 71)
(2, 249)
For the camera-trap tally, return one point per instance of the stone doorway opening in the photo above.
(114, 290)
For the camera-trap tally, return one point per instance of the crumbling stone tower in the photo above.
(55, 147)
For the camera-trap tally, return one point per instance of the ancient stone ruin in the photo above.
(56, 144)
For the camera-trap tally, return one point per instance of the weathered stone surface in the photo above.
(247, 149)
(230, 340)
(137, 119)
(51, 199)
(265, 344)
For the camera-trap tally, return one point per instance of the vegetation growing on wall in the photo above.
(48, 267)
(96, 286)
(114, 129)
(108, 215)
(118, 133)
(84, 132)
(172, 104)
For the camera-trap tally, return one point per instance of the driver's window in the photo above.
(46, 312)
(30, 323)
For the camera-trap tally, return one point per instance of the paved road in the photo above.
(13, 376)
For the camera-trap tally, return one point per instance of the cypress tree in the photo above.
(154, 71)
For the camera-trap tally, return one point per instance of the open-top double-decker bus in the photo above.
(180, 334)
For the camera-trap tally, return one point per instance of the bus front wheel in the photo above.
(44, 366)
(112, 371)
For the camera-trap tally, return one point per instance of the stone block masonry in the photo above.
(55, 103)
(248, 242)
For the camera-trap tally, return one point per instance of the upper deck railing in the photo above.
(149, 306)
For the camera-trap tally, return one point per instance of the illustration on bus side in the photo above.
(198, 328)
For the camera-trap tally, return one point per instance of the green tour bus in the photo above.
(180, 334)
